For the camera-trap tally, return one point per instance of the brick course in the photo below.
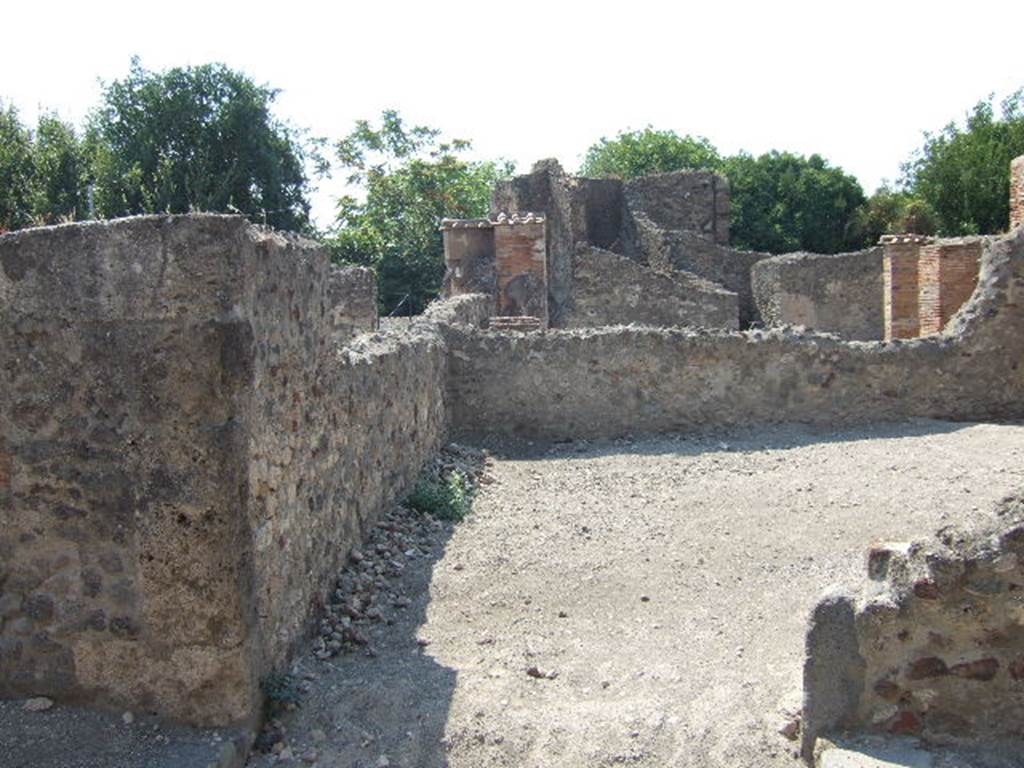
(900, 285)
(947, 276)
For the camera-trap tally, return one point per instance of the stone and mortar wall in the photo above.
(187, 451)
(608, 382)
(839, 293)
(1017, 192)
(930, 645)
(663, 249)
(615, 290)
(690, 201)
(352, 300)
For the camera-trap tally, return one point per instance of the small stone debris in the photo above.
(127, 718)
(370, 584)
(318, 735)
(539, 674)
(38, 704)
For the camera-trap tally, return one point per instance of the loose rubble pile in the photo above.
(368, 586)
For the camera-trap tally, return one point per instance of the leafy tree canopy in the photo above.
(15, 171)
(406, 178)
(963, 173)
(785, 202)
(638, 153)
(196, 138)
(892, 211)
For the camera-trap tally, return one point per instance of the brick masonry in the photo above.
(1017, 192)
(947, 276)
(900, 285)
(521, 268)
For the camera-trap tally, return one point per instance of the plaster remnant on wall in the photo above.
(837, 293)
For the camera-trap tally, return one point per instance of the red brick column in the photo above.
(900, 279)
(947, 276)
(521, 266)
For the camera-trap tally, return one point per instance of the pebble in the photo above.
(127, 718)
(383, 762)
(38, 704)
(318, 734)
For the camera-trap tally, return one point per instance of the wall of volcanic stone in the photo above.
(931, 644)
(607, 382)
(188, 451)
(837, 293)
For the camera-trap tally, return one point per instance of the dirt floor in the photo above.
(635, 603)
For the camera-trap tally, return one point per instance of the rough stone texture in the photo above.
(839, 293)
(186, 454)
(686, 251)
(469, 257)
(947, 276)
(691, 201)
(900, 285)
(615, 290)
(521, 268)
(617, 381)
(937, 631)
(352, 300)
(546, 189)
(1017, 192)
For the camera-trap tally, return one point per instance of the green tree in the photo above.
(58, 177)
(637, 153)
(964, 173)
(891, 211)
(786, 202)
(15, 171)
(196, 138)
(407, 179)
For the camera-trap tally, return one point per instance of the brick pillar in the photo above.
(521, 266)
(1017, 192)
(947, 276)
(899, 272)
(468, 256)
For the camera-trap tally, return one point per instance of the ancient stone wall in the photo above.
(947, 274)
(1017, 192)
(352, 298)
(615, 290)
(929, 645)
(840, 293)
(691, 201)
(663, 249)
(187, 452)
(608, 382)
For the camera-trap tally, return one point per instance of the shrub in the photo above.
(449, 499)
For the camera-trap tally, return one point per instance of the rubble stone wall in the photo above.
(691, 201)
(187, 452)
(615, 290)
(352, 300)
(839, 293)
(607, 382)
(1017, 192)
(930, 644)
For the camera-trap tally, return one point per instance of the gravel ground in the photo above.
(634, 603)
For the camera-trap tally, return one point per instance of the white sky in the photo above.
(855, 82)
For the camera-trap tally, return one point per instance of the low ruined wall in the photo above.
(614, 290)
(609, 382)
(187, 452)
(930, 645)
(1017, 192)
(659, 248)
(352, 298)
(841, 293)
